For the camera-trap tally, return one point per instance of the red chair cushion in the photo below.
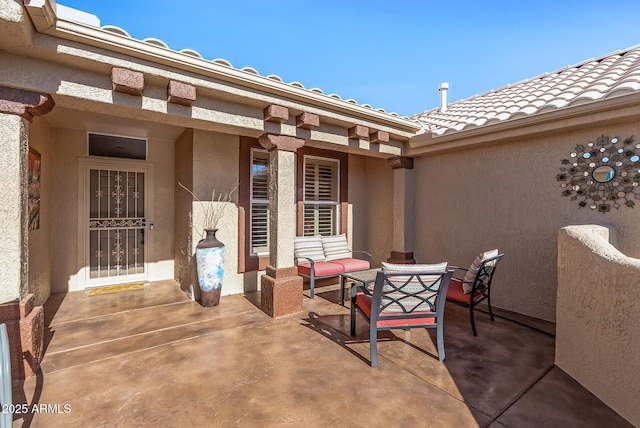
(321, 268)
(456, 293)
(351, 265)
(364, 303)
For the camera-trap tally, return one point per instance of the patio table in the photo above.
(365, 277)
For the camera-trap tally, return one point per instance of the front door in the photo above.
(116, 217)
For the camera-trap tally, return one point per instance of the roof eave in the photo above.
(43, 14)
(425, 143)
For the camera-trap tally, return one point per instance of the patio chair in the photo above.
(410, 297)
(475, 287)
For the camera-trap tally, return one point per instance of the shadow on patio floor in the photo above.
(153, 358)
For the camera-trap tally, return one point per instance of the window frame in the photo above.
(253, 201)
(247, 262)
(335, 204)
(100, 145)
(258, 262)
(343, 175)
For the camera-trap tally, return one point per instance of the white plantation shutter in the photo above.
(259, 202)
(319, 220)
(320, 196)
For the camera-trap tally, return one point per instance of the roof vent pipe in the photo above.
(443, 96)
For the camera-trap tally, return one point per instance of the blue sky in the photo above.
(389, 54)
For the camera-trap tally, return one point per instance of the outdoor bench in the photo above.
(319, 257)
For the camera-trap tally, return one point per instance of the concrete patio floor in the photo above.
(153, 358)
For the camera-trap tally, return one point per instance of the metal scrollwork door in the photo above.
(117, 233)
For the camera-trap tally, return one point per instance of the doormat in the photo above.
(116, 288)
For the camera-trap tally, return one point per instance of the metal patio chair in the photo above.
(402, 301)
(475, 287)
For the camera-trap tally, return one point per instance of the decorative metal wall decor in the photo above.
(602, 174)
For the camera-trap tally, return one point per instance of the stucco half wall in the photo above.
(598, 318)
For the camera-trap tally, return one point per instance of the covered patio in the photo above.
(514, 169)
(152, 357)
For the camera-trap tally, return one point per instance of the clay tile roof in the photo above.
(611, 75)
(92, 20)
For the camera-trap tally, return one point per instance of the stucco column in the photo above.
(403, 210)
(281, 286)
(14, 222)
(25, 321)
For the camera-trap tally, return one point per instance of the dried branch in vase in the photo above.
(213, 208)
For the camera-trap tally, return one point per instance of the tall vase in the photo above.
(210, 264)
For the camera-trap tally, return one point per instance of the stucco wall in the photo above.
(371, 201)
(379, 215)
(13, 208)
(184, 265)
(506, 196)
(598, 318)
(40, 239)
(161, 156)
(358, 230)
(69, 145)
(215, 159)
(204, 161)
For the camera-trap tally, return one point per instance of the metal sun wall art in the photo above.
(602, 174)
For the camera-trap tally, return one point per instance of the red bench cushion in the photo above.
(351, 265)
(321, 269)
(457, 294)
(364, 303)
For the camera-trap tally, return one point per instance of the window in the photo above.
(259, 233)
(117, 147)
(321, 196)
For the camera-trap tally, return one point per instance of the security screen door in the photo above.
(116, 250)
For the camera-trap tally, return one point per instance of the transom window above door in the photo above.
(114, 146)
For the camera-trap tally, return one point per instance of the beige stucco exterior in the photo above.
(13, 207)
(73, 63)
(504, 195)
(598, 317)
(40, 245)
(370, 198)
(469, 191)
(379, 214)
(70, 145)
(206, 161)
(403, 210)
(282, 207)
(69, 156)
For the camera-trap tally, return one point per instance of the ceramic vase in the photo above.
(210, 265)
